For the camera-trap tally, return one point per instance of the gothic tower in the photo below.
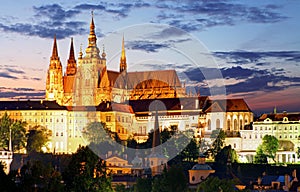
(54, 82)
(71, 67)
(123, 64)
(91, 68)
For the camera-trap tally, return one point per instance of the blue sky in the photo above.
(248, 49)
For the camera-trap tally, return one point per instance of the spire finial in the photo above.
(80, 52)
(123, 64)
(123, 56)
(92, 36)
(103, 52)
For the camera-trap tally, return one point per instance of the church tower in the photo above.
(123, 64)
(91, 68)
(71, 67)
(157, 161)
(54, 82)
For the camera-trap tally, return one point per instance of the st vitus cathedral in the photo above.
(88, 82)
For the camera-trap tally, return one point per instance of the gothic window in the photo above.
(218, 125)
(228, 124)
(241, 123)
(209, 125)
(235, 124)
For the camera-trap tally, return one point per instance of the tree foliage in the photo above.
(218, 143)
(87, 172)
(226, 154)
(18, 133)
(101, 140)
(37, 138)
(260, 157)
(270, 146)
(36, 175)
(6, 182)
(172, 179)
(191, 151)
(214, 184)
(143, 184)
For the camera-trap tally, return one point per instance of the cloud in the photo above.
(36, 79)
(48, 21)
(245, 57)
(51, 19)
(6, 92)
(14, 70)
(7, 75)
(241, 80)
(148, 46)
(120, 10)
(54, 12)
(201, 14)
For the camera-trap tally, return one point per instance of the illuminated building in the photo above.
(88, 91)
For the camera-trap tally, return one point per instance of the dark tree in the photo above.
(37, 138)
(260, 157)
(191, 151)
(6, 182)
(38, 176)
(270, 146)
(214, 184)
(87, 172)
(143, 184)
(173, 179)
(219, 136)
(18, 133)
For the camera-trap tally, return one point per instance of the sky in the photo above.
(242, 49)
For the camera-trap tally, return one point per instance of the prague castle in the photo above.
(87, 91)
(88, 82)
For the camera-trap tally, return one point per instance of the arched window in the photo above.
(228, 124)
(241, 123)
(218, 123)
(209, 125)
(235, 125)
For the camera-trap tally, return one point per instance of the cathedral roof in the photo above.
(228, 105)
(132, 80)
(280, 116)
(189, 103)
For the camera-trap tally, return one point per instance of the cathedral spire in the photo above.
(54, 51)
(123, 64)
(156, 133)
(71, 55)
(92, 36)
(71, 67)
